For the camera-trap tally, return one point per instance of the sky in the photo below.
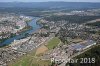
(49, 0)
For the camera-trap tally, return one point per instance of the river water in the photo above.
(34, 26)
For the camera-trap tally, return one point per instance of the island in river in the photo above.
(34, 26)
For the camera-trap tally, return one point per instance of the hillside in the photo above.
(93, 53)
(50, 5)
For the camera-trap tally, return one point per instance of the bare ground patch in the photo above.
(41, 50)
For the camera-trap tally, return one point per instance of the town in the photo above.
(63, 36)
(12, 24)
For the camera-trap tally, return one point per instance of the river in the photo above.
(34, 26)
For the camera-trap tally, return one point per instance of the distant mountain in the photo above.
(50, 5)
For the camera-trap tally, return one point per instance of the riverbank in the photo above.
(4, 39)
(31, 27)
(25, 29)
(13, 35)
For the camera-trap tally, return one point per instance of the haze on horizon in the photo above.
(49, 0)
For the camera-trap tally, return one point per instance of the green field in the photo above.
(30, 60)
(53, 43)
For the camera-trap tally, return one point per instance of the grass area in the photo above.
(25, 61)
(40, 62)
(53, 43)
(30, 60)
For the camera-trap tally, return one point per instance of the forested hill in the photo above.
(92, 53)
(51, 5)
